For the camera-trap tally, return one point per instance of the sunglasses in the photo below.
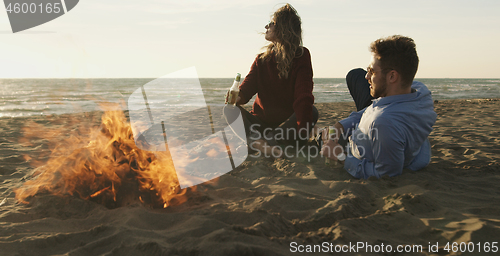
(371, 71)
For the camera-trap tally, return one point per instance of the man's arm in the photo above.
(386, 156)
(333, 147)
(349, 124)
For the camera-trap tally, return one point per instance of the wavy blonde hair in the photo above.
(288, 31)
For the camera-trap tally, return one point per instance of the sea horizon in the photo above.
(43, 96)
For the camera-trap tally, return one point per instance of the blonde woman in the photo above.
(282, 77)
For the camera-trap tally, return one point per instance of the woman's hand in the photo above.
(227, 96)
(228, 93)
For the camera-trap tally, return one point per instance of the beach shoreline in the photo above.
(270, 207)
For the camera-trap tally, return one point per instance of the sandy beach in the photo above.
(272, 207)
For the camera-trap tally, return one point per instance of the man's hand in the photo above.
(339, 130)
(331, 147)
(333, 150)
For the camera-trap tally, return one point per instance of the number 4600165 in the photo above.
(34, 8)
(471, 247)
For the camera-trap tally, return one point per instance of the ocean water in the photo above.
(26, 97)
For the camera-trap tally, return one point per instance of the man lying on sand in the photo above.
(394, 114)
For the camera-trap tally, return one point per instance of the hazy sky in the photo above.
(132, 38)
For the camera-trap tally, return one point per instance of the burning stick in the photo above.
(99, 192)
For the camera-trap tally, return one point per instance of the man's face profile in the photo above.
(376, 78)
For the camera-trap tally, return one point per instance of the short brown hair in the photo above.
(398, 53)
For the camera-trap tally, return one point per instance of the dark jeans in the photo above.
(360, 93)
(359, 88)
(257, 129)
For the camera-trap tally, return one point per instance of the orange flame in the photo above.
(104, 165)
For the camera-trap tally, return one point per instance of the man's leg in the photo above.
(359, 88)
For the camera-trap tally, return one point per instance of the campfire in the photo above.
(103, 164)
